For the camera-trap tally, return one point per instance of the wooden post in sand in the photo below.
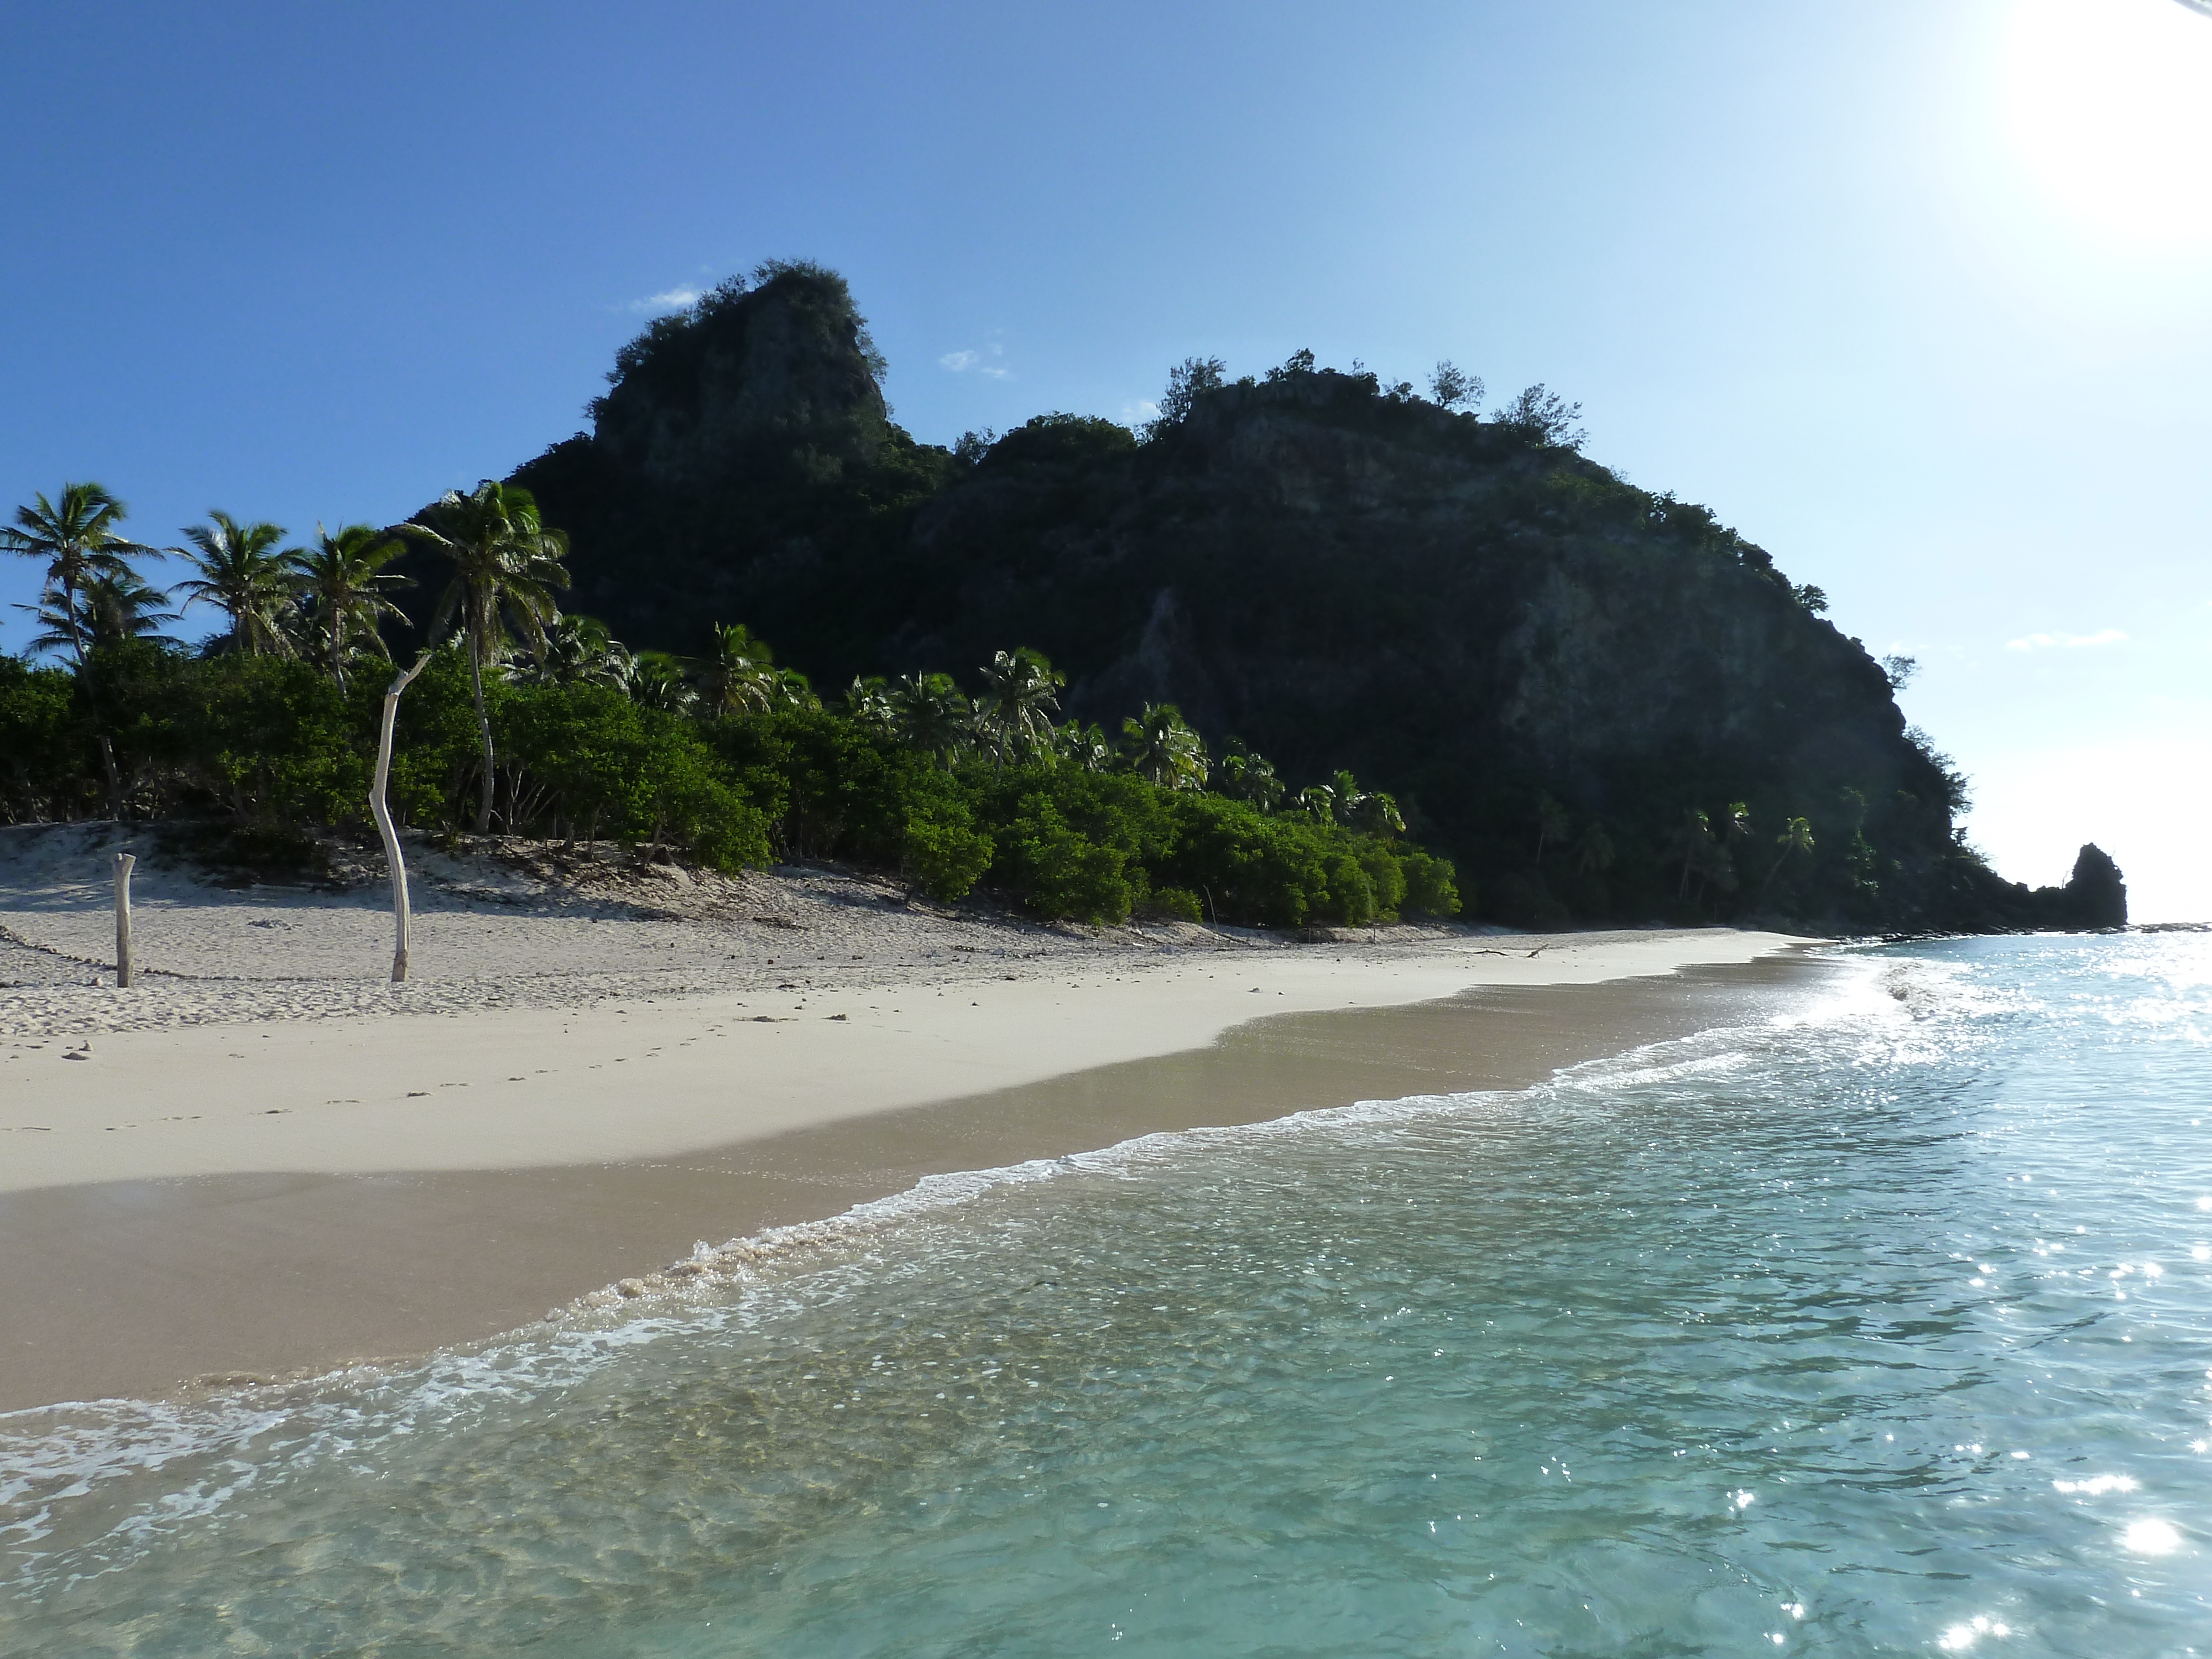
(382, 813)
(123, 865)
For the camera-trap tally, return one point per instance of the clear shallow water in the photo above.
(1886, 1327)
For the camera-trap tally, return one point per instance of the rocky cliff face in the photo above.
(738, 444)
(781, 367)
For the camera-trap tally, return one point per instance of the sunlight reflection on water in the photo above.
(1877, 1329)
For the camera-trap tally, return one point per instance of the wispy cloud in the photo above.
(2067, 642)
(674, 299)
(981, 363)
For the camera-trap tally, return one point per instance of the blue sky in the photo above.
(1913, 295)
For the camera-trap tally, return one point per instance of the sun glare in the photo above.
(2110, 104)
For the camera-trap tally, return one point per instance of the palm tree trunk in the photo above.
(69, 612)
(483, 725)
(114, 781)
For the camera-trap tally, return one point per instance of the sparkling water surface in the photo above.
(1884, 1326)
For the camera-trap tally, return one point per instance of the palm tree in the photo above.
(1318, 801)
(661, 680)
(108, 607)
(868, 703)
(739, 675)
(1720, 862)
(793, 689)
(505, 566)
(1376, 814)
(1020, 696)
(580, 651)
(931, 713)
(1161, 746)
(1796, 836)
(343, 581)
(243, 576)
(1250, 778)
(77, 539)
(1083, 746)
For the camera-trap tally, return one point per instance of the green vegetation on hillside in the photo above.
(1600, 703)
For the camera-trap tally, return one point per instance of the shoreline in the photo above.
(166, 1222)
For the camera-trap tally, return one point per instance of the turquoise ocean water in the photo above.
(1880, 1326)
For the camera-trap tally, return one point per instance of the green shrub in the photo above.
(1431, 887)
(1059, 871)
(1386, 877)
(944, 853)
(1349, 897)
(1178, 902)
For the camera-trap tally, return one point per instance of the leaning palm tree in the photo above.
(242, 574)
(1161, 746)
(1796, 836)
(1020, 696)
(343, 581)
(507, 565)
(76, 538)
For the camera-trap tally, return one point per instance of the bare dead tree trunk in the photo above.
(382, 813)
(123, 864)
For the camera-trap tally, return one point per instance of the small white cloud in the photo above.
(2067, 641)
(959, 363)
(674, 299)
(1141, 412)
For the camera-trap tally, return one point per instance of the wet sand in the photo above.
(140, 1286)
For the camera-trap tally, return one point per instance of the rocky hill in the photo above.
(1553, 670)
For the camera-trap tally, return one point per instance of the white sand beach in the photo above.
(604, 1019)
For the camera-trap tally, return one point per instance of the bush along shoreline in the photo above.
(734, 763)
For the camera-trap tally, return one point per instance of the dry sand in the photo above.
(261, 1160)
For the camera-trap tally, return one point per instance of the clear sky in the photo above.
(1917, 296)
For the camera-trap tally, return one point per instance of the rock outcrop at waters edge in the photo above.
(1556, 672)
